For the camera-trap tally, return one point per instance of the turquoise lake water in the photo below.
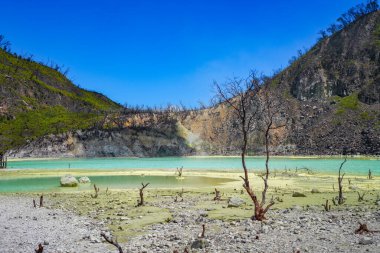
(322, 165)
(46, 184)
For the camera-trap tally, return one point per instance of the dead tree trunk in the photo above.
(180, 171)
(361, 197)
(41, 200)
(370, 174)
(141, 201)
(340, 181)
(112, 241)
(363, 229)
(3, 161)
(246, 98)
(96, 189)
(327, 206)
(217, 195)
(203, 231)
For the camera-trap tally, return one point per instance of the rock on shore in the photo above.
(69, 181)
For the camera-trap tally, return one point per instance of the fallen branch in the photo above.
(279, 199)
(112, 241)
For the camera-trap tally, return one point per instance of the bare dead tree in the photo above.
(119, 119)
(251, 102)
(270, 115)
(141, 201)
(202, 235)
(179, 171)
(327, 206)
(340, 180)
(96, 189)
(112, 241)
(241, 95)
(217, 195)
(361, 197)
(370, 174)
(41, 200)
(107, 192)
(181, 193)
(363, 229)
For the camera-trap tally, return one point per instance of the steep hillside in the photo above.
(334, 90)
(36, 100)
(345, 63)
(337, 85)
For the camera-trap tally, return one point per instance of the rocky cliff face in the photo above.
(102, 143)
(346, 62)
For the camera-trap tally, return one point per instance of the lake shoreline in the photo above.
(363, 157)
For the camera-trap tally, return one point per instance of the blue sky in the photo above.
(159, 52)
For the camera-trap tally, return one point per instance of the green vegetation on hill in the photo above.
(36, 100)
(33, 124)
(350, 102)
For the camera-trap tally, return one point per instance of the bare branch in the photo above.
(112, 241)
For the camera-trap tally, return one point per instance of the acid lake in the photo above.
(357, 166)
